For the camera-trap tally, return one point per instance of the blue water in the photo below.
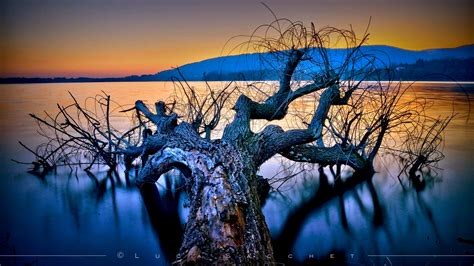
(106, 221)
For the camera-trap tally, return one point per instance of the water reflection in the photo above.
(343, 222)
(101, 212)
(162, 202)
(336, 194)
(163, 210)
(330, 211)
(85, 195)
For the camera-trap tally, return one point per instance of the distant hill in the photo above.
(438, 69)
(263, 66)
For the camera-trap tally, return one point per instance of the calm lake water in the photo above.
(107, 221)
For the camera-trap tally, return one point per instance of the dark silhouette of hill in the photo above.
(263, 66)
(439, 69)
(433, 64)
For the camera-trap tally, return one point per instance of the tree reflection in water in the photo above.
(329, 194)
(162, 203)
(163, 210)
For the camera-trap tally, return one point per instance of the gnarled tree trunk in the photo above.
(225, 223)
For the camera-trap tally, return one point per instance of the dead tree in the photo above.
(347, 124)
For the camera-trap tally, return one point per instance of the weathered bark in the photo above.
(225, 224)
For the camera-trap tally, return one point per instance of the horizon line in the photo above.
(211, 58)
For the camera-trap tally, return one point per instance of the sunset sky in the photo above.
(104, 38)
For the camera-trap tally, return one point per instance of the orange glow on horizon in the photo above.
(111, 40)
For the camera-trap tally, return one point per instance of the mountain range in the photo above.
(264, 66)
